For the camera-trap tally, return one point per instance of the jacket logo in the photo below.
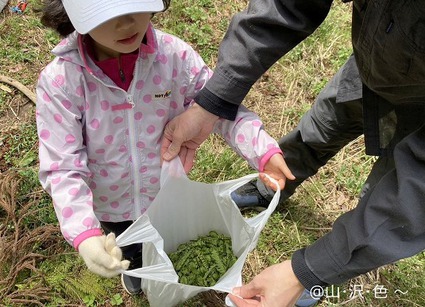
(166, 94)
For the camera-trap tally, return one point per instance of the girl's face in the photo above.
(123, 34)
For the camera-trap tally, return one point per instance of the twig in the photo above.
(18, 85)
(315, 228)
(14, 113)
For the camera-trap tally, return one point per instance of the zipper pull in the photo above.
(122, 76)
(130, 100)
(390, 26)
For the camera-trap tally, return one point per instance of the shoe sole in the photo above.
(125, 287)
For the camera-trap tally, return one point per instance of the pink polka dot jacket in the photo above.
(99, 145)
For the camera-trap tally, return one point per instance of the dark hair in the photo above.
(53, 15)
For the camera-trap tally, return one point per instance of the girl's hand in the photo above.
(277, 169)
(102, 255)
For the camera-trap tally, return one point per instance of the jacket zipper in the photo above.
(134, 157)
(129, 104)
(121, 72)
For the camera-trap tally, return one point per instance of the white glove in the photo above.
(102, 255)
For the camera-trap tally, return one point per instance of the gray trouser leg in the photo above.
(382, 166)
(327, 127)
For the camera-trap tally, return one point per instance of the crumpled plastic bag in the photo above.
(183, 210)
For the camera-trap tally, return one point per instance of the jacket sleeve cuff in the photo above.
(267, 156)
(216, 105)
(303, 272)
(85, 235)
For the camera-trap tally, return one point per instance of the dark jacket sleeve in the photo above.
(256, 38)
(387, 225)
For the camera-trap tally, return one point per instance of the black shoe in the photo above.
(248, 197)
(132, 285)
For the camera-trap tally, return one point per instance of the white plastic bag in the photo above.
(184, 210)
(3, 4)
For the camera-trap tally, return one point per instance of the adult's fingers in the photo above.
(172, 140)
(244, 302)
(189, 129)
(165, 143)
(248, 291)
(187, 157)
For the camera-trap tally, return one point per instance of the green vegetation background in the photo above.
(37, 267)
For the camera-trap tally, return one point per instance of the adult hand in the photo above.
(185, 133)
(102, 255)
(276, 286)
(277, 169)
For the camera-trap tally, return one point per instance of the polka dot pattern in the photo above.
(151, 129)
(67, 212)
(138, 115)
(54, 166)
(95, 123)
(78, 163)
(118, 120)
(116, 161)
(104, 105)
(140, 84)
(109, 139)
(58, 118)
(80, 91)
(88, 221)
(147, 98)
(103, 198)
(44, 134)
(160, 113)
(67, 104)
(46, 97)
(157, 80)
(58, 81)
(69, 138)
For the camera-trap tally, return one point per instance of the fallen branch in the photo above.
(18, 85)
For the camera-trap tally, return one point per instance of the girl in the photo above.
(102, 105)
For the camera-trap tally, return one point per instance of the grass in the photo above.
(38, 268)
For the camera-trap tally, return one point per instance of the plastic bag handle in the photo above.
(174, 168)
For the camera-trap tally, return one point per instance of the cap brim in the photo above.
(85, 15)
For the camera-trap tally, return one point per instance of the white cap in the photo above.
(85, 15)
